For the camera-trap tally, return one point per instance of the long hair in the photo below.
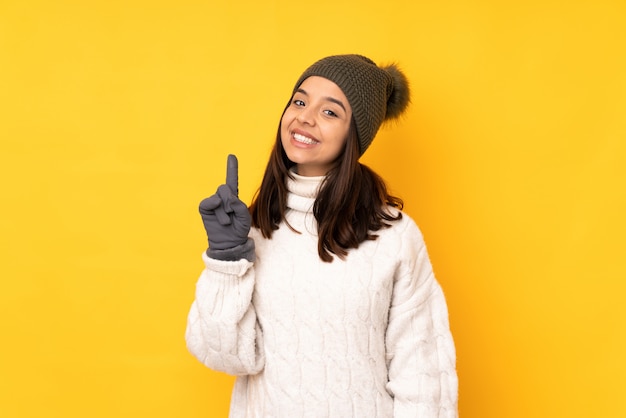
(351, 205)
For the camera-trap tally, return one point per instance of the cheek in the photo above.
(340, 138)
(285, 121)
(284, 130)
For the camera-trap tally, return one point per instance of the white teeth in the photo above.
(304, 139)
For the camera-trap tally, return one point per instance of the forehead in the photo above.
(322, 86)
(316, 86)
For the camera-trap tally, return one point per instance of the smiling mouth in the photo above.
(304, 139)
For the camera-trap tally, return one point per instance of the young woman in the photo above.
(321, 298)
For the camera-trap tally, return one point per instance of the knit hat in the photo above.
(376, 94)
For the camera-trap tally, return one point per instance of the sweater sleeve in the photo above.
(420, 350)
(222, 328)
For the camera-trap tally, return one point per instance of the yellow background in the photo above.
(115, 121)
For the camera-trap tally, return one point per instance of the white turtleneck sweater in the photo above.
(367, 336)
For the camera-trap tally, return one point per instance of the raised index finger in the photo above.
(232, 174)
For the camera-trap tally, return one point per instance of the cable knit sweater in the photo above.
(367, 336)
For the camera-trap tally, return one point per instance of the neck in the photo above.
(307, 171)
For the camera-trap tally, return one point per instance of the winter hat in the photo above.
(376, 94)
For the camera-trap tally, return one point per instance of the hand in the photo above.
(226, 218)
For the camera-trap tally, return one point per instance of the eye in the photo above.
(298, 102)
(330, 113)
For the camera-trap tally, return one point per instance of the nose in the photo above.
(306, 116)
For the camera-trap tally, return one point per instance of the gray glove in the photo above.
(227, 220)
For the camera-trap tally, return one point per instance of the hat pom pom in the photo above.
(400, 96)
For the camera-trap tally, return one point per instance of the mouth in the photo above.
(304, 139)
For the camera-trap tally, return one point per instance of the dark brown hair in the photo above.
(352, 202)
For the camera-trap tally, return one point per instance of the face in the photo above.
(315, 126)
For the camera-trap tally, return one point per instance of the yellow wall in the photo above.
(115, 121)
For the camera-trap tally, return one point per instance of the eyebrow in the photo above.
(330, 99)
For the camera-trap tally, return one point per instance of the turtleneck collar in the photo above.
(302, 191)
